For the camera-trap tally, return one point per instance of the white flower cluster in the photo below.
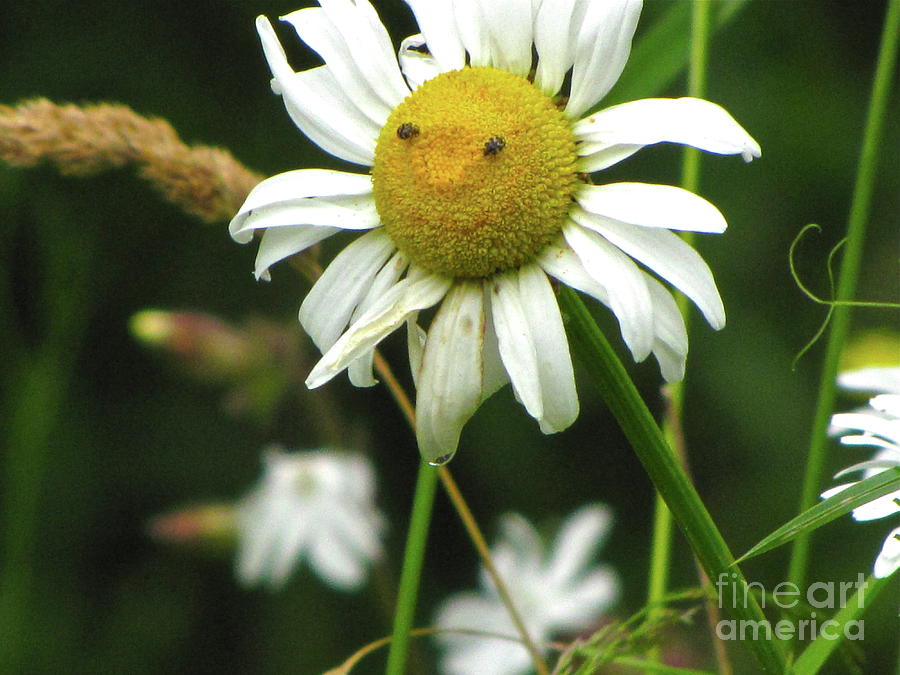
(318, 506)
(556, 593)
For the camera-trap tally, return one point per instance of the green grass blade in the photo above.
(835, 506)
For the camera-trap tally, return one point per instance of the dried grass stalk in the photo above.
(204, 181)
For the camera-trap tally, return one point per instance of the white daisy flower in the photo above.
(477, 196)
(559, 593)
(317, 505)
(877, 427)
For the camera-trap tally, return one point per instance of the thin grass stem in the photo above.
(413, 559)
(848, 277)
(459, 503)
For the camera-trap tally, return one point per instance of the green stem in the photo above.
(660, 554)
(659, 461)
(412, 568)
(847, 280)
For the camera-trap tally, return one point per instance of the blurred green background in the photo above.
(98, 435)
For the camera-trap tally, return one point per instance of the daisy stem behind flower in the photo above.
(847, 277)
(412, 568)
(645, 437)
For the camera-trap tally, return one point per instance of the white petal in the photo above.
(322, 110)
(287, 551)
(327, 308)
(356, 48)
(449, 388)
(888, 404)
(863, 439)
(632, 125)
(585, 601)
(296, 187)
(438, 25)
(649, 205)
(494, 373)
(509, 25)
(881, 461)
(868, 422)
(416, 66)
(602, 48)
(472, 32)
(837, 489)
(596, 156)
(347, 213)
(581, 535)
(282, 242)
(625, 284)
(517, 348)
(354, 523)
(560, 261)
(488, 656)
(670, 342)
(336, 563)
(670, 337)
(360, 371)
(471, 611)
(669, 256)
(888, 561)
(264, 541)
(881, 380)
(388, 312)
(415, 344)
(314, 27)
(520, 546)
(553, 30)
(318, 105)
(671, 363)
(883, 507)
(560, 400)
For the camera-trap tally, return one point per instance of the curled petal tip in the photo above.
(751, 151)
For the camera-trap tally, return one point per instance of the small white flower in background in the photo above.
(477, 196)
(877, 426)
(317, 506)
(556, 593)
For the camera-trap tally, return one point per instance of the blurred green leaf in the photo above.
(662, 53)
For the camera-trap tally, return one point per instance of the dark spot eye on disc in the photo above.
(493, 145)
(407, 130)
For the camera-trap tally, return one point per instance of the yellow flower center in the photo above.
(474, 172)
